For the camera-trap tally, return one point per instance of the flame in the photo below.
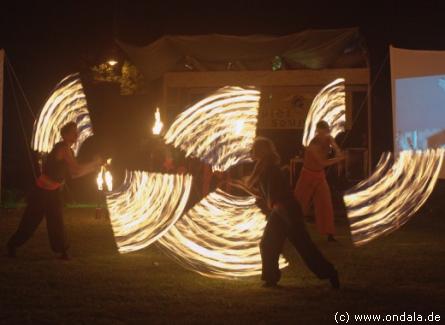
(104, 176)
(219, 129)
(67, 103)
(219, 237)
(157, 128)
(328, 105)
(109, 181)
(100, 180)
(145, 207)
(393, 194)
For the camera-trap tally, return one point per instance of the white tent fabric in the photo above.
(311, 49)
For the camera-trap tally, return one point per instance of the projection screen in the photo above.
(418, 99)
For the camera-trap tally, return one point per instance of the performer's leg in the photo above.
(309, 252)
(304, 191)
(54, 223)
(271, 246)
(31, 219)
(324, 211)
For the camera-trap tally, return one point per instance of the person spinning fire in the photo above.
(45, 199)
(284, 217)
(312, 186)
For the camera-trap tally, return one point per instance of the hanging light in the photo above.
(157, 128)
(112, 62)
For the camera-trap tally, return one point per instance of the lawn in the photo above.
(403, 272)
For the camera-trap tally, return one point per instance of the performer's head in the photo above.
(69, 133)
(323, 128)
(264, 153)
(263, 149)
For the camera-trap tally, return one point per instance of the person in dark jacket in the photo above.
(284, 218)
(45, 199)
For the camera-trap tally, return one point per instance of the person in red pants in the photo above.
(312, 187)
(45, 199)
(284, 218)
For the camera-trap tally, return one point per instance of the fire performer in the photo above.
(285, 219)
(312, 186)
(45, 198)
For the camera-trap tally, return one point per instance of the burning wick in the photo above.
(105, 176)
(109, 180)
(100, 180)
(157, 128)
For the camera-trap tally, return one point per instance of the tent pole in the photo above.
(2, 58)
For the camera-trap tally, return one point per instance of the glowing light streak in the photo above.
(393, 194)
(219, 237)
(144, 208)
(219, 129)
(328, 105)
(67, 103)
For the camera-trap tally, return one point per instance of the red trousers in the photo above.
(312, 187)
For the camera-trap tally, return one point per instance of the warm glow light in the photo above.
(112, 62)
(393, 194)
(219, 129)
(100, 180)
(67, 103)
(109, 181)
(157, 128)
(144, 208)
(238, 127)
(219, 237)
(328, 105)
(104, 176)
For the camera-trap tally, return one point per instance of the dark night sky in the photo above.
(47, 41)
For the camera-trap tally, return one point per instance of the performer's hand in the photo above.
(341, 157)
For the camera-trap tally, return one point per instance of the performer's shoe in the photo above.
(11, 251)
(335, 282)
(270, 285)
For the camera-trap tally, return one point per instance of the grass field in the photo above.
(403, 272)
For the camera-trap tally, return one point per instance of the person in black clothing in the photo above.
(284, 218)
(45, 198)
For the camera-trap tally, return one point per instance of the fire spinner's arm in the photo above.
(316, 152)
(77, 170)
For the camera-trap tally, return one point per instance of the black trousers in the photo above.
(288, 223)
(42, 203)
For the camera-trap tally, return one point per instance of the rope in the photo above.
(365, 100)
(8, 62)
(22, 124)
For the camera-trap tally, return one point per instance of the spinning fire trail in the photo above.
(328, 105)
(392, 195)
(66, 104)
(219, 236)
